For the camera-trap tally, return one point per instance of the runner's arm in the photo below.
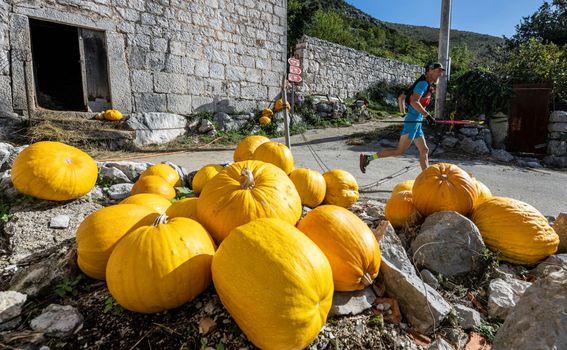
(414, 101)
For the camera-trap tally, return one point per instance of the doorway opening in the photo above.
(70, 67)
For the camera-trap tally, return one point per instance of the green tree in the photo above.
(330, 26)
(534, 62)
(461, 58)
(548, 25)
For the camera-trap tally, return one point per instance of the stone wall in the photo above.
(557, 140)
(5, 81)
(329, 68)
(164, 55)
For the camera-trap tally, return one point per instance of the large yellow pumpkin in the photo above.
(166, 172)
(275, 153)
(186, 207)
(150, 200)
(342, 188)
(160, 266)
(348, 243)
(444, 187)
(406, 185)
(310, 185)
(98, 233)
(275, 283)
(245, 191)
(516, 229)
(113, 114)
(204, 175)
(153, 184)
(400, 211)
(54, 171)
(245, 148)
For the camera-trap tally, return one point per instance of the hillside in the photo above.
(340, 22)
(477, 43)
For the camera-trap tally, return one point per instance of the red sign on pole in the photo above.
(294, 70)
(294, 77)
(293, 62)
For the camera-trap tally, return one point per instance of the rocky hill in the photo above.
(344, 24)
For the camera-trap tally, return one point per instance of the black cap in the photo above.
(434, 65)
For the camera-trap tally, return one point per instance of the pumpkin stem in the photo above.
(246, 179)
(161, 219)
(444, 177)
(366, 279)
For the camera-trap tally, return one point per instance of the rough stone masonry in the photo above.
(163, 55)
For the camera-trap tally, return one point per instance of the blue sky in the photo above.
(494, 17)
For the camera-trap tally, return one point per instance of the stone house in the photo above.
(174, 56)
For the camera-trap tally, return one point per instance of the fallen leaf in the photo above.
(418, 338)
(395, 317)
(207, 325)
(477, 342)
(476, 303)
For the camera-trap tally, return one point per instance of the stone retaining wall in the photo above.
(557, 140)
(333, 69)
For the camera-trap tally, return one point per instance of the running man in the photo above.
(418, 98)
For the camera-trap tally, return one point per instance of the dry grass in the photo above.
(76, 130)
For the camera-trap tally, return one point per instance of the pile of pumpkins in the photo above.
(267, 113)
(517, 230)
(274, 270)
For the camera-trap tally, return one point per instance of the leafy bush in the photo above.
(478, 91)
(536, 62)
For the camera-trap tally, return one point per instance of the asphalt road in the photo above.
(324, 149)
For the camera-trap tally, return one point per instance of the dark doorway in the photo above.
(529, 116)
(57, 66)
(70, 67)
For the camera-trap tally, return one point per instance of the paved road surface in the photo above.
(544, 189)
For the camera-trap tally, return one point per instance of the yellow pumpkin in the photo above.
(265, 120)
(406, 185)
(245, 148)
(166, 172)
(342, 188)
(53, 171)
(400, 211)
(160, 266)
(150, 200)
(275, 153)
(483, 193)
(278, 105)
(310, 185)
(444, 187)
(203, 176)
(245, 191)
(348, 243)
(516, 229)
(98, 233)
(186, 207)
(266, 112)
(275, 283)
(153, 184)
(113, 114)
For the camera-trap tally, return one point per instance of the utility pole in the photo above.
(443, 57)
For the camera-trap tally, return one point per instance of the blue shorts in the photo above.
(413, 130)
